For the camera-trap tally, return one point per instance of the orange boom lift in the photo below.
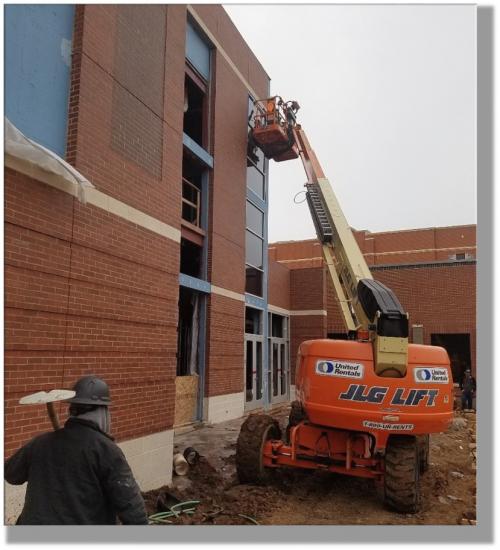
(366, 405)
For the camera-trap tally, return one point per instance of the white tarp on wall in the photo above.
(34, 160)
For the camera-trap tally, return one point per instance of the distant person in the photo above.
(468, 387)
(77, 475)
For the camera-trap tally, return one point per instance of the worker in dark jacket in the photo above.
(468, 386)
(77, 475)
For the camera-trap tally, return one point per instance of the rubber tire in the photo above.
(424, 452)
(296, 416)
(402, 474)
(255, 431)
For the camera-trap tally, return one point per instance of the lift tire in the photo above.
(423, 452)
(402, 474)
(255, 431)
(296, 416)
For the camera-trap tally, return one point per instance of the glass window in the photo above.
(277, 326)
(253, 281)
(257, 160)
(255, 181)
(253, 321)
(255, 219)
(198, 52)
(254, 250)
(250, 111)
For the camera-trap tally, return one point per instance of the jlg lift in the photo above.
(365, 406)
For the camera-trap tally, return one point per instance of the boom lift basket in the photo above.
(273, 128)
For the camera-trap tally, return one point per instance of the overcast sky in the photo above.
(387, 97)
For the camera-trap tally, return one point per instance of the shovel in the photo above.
(48, 398)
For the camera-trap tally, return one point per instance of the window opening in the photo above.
(188, 332)
(191, 258)
(194, 111)
(458, 348)
(253, 321)
(277, 322)
(192, 176)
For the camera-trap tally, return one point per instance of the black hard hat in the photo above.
(91, 390)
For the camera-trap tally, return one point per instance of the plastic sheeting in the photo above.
(34, 160)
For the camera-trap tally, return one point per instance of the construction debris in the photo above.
(311, 497)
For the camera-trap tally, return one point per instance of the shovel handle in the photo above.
(53, 416)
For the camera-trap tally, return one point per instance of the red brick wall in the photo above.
(441, 298)
(307, 289)
(279, 285)
(225, 350)
(86, 293)
(387, 248)
(417, 245)
(126, 104)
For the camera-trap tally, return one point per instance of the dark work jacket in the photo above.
(76, 476)
(468, 384)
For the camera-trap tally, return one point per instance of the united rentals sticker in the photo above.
(339, 368)
(387, 426)
(434, 375)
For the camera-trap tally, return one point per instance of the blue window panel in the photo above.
(194, 283)
(198, 52)
(37, 71)
(198, 151)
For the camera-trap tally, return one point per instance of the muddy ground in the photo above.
(297, 497)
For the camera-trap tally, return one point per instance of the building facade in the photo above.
(158, 280)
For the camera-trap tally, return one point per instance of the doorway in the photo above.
(458, 348)
(279, 360)
(190, 360)
(254, 347)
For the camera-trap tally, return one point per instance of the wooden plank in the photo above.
(186, 396)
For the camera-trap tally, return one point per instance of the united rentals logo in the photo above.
(436, 375)
(339, 368)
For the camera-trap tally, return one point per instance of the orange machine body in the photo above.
(351, 412)
(337, 385)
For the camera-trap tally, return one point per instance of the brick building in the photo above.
(148, 273)
(432, 271)
(144, 259)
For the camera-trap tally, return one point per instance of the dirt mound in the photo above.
(222, 502)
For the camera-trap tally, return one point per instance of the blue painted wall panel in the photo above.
(37, 71)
